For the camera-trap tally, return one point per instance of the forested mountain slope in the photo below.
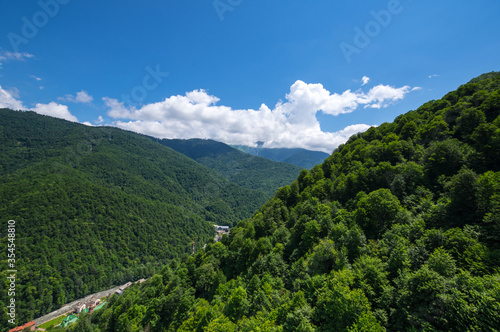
(397, 230)
(299, 157)
(243, 169)
(96, 207)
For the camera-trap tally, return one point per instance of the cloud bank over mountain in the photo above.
(292, 123)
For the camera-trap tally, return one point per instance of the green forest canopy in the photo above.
(96, 207)
(397, 230)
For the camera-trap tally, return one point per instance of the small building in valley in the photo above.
(80, 306)
(224, 229)
(93, 302)
(220, 230)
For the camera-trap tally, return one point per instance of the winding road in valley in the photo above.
(69, 306)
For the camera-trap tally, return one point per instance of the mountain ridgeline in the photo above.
(299, 157)
(96, 207)
(246, 170)
(398, 230)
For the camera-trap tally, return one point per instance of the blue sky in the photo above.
(286, 72)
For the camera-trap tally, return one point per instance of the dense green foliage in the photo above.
(398, 230)
(243, 169)
(299, 157)
(96, 207)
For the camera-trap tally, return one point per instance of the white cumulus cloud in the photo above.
(55, 110)
(8, 100)
(382, 96)
(292, 123)
(365, 80)
(81, 97)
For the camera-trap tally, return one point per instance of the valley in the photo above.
(267, 166)
(397, 230)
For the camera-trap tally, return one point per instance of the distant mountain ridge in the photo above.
(244, 169)
(295, 156)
